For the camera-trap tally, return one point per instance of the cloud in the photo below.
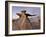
(15, 17)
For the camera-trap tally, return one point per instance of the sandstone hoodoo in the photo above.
(23, 23)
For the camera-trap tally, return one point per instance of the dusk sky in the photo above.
(30, 10)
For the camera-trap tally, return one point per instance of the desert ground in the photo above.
(33, 23)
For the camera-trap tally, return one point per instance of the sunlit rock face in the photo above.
(25, 26)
